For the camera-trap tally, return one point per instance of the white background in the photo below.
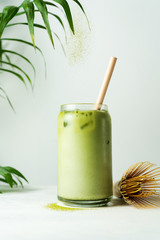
(127, 29)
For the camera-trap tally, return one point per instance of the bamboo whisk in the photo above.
(140, 185)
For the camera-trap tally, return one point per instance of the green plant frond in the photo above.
(80, 5)
(50, 4)
(29, 7)
(18, 179)
(0, 51)
(7, 57)
(38, 26)
(55, 34)
(8, 13)
(2, 90)
(20, 69)
(22, 41)
(20, 55)
(14, 182)
(54, 5)
(14, 73)
(27, 43)
(59, 19)
(16, 172)
(7, 176)
(44, 13)
(8, 173)
(26, 24)
(67, 11)
(29, 11)
(50, 13)
(3, 180)
(42, 27)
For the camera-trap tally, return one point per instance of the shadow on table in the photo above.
(117, 202)
(6, 189)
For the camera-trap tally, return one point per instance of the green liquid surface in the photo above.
(84, 155)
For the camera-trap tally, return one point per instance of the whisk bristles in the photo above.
(140, 185)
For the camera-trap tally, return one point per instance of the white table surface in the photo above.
(24, 217)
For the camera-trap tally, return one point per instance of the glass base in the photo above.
(85, 203)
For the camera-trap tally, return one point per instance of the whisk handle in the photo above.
(116, 189)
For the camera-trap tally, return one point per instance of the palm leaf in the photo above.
(67, 11)
(29, 10)
(0, 51)
(59, 19)
(8, 173)
(18, 179)
(28, 43)
(53, 5)
(7, 57)
(24, 23)
(55, 34)
(7, 14)
(16, 172)
(3, 180)
(20, 69)
(15, 73)
(38, 26)
(50, 4)
(28, 7)
(15, 53)
(14, 182)
(44, 13)
(7, 176)
(50, 13)
(80, 5)
(22, 41)
(7, 99)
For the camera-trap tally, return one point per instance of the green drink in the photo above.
(84, 155)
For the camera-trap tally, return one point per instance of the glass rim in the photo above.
(73, 105)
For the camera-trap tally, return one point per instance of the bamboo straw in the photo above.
(105, 82)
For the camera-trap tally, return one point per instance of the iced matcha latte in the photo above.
(84, 155)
